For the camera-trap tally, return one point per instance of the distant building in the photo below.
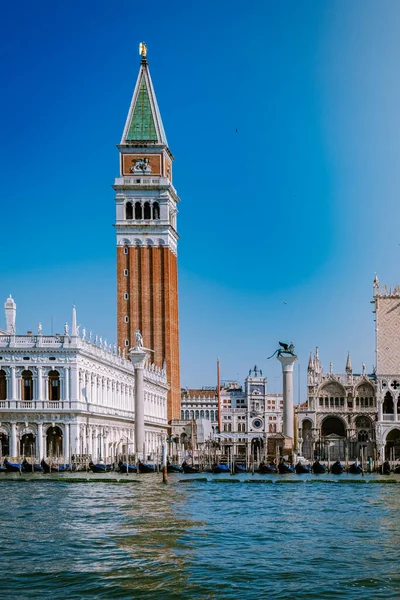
(248, 416)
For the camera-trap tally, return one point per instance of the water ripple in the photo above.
(151, 541)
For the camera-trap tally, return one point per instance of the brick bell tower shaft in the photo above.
(147, 238)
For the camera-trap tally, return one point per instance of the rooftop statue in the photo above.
(286, 349)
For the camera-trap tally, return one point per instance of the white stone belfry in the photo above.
(287, 363)
(11, 314)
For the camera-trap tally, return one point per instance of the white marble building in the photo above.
(68, 394)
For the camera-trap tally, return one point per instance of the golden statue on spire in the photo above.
(142, 49)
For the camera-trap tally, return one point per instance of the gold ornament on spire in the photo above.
(142, 49)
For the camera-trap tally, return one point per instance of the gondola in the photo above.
(12, 467)
(124, 468)
(385, 468)
(337, 468)
(174, 468)
(284, 468)
(54, 468)
(218, 468)
(28, 467)
(396, 470)
(301, 468)
(318, 468)
(100, 467)
(190, 468)
(146, 468)
(267, 468)
(240, 468)
(355, 469)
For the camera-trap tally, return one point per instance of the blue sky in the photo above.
(300, 205)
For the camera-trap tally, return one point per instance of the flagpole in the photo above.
(219, 395)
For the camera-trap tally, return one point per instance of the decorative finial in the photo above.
(142, 49)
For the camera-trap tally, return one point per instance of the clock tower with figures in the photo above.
(146, 206)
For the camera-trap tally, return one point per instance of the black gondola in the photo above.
(146, 468)
(284, 468)
(240, 468)
(396, 470)
(300, 468)
(29, 467)
(385, 468)
(267, 468)
(124, 468)
(12, 467)
(174, 468)
(337, 468)
(100, 467)
(189, 468)
(318, 468)
(53, 467)
(218, 468)
(355, 469)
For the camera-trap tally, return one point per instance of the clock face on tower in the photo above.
(257, 423)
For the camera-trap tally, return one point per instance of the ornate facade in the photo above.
(68, 394)
(339, 417)
(387, 313)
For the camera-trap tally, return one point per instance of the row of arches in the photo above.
(187, 415)
(27, 443)
(27, 385)
(142, 211)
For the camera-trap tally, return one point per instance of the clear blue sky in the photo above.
(300, 205)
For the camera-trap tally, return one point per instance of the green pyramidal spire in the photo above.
(142, 125)
(144, 122)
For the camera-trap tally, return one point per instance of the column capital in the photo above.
(287, 362)
(138, 357)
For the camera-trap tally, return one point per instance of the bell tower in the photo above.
(146, 207)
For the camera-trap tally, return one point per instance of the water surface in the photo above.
(198, 540)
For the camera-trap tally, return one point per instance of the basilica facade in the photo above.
(357, 414)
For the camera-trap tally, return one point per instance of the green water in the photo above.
(199, 540)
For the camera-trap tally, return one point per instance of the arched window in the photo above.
(147, 211)
(207, 413)
(202, 414)
(129, 210)
(388, 408)
(27, 385)
(212, 415)
(229, 427)
(54, 386)
(182, 415)
(191, 414)
(196, 414)
(156, 210)
(138, 211)
(363, 436)
(186, 415)
(3, 385)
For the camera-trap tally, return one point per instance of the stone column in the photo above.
(74, 386)
(380, 410)
(138, 356)
(66, 441)
(66, 384)
(40, 383)
(13, 445)
(287, 363)
(40, 441)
